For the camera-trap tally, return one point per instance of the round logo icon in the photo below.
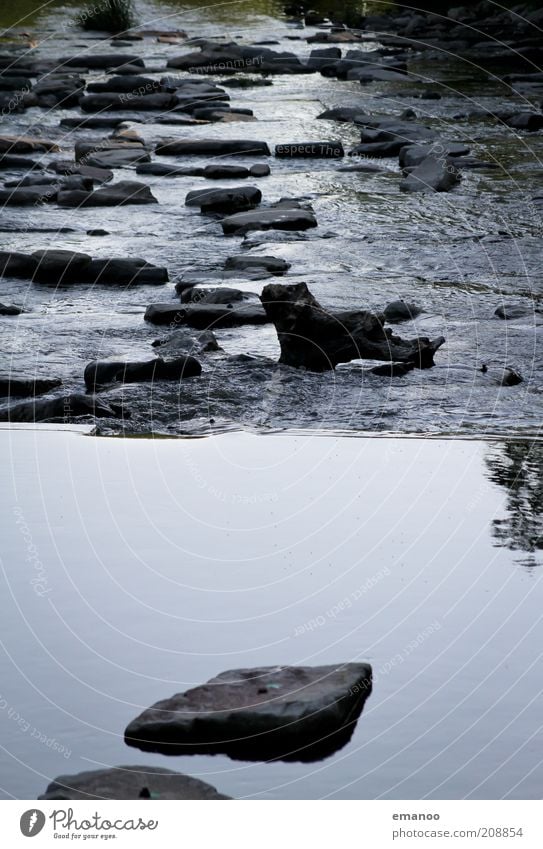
(32, 822)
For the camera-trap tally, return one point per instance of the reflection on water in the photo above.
(518, 467)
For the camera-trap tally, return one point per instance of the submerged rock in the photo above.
(393, 369)
(130, 782)
(292, 713)
(207, 316)
(512, 311)
(313, 338)
(185, 341)
(120, 194)
(221, 295)
(101, 372)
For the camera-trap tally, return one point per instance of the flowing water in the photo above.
(458, 255)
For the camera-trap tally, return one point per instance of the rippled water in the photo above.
(458, 255)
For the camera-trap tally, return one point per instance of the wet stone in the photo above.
(291, 713)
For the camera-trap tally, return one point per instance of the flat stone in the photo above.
(269, 219)
(130, 782)
(225, 172)
(206, 316)
(100, 61)
(120, 194)
(345, 114)
(64, 409)
(105, 102)
(512, 311)
(26, 144)
(11, 386)
(160, 169)
(117, 158)
(292, 713)
(224, 200)
(401, 311)
(220, 295)
(102, 372)
(434, 174)
(212, 147)
(392, 369)
(11, 162)
(185, 340)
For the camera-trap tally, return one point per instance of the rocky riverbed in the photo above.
(376, 166)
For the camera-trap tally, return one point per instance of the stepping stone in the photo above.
(130, 782)
(206, 316)
(269, 219)
(102, 372)
(212, 147)
(310, 150)
(20, 387)
(292, 713)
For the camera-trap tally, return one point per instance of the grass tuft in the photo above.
(114, 16)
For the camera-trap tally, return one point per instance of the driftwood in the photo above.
(315, 339)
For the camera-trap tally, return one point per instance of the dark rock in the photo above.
(269, 219)
(225, 172)
(323, 56)
(149, 102)
(120, 194)
(101, 61)
(10, 309)
(392, 369)
(434, 174)
(98, 175)
(126, 83)
(378, 150)
(124, 272)
(233, 58)
(510, 377)
(105, 122)
(28, 196)
(530, 121)
(212, 147)
(206, 316)
(24, 386)
(98, 232)
(224, 200)
(313, 338)
(65, 408)
(310, 150)
(54, 267)
(159, 169)
(271, 264)
(222, 295)
(130, 782)
(291, 713)
(26, 144)
(11, 162)
(121, 158)
(412, 155)
(400, 311)
(185, 341)
(260, 170)
(102, 372)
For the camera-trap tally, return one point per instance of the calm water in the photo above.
(458, 255)
(163, 562)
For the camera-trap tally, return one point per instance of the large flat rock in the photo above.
(278, 218)
(130, 782)
(293, 713)
(207, 316)
(211, 147)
